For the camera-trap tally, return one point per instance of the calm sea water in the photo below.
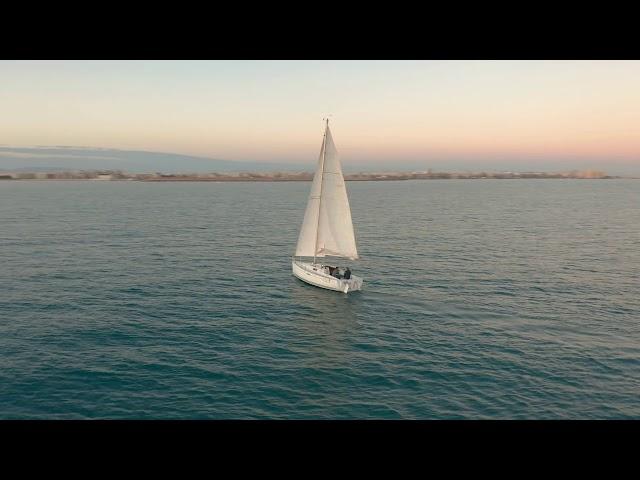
(482, 299)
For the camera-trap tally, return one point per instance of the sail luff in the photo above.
(324, 151)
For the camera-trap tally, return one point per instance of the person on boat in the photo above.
(347, 274)
(336, 273)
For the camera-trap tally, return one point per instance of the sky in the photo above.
(447, 115)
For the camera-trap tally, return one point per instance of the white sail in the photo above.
(309, 231)
(327, 228)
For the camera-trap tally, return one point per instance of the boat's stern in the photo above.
(353, 284)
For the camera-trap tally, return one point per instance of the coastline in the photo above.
(301, 177)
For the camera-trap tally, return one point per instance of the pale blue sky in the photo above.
(473, 113)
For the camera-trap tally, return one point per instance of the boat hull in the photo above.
(312, 274)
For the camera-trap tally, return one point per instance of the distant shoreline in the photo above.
(301, 177)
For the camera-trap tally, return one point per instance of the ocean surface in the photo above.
(506, 299)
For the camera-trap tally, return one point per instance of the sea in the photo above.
(482, 299)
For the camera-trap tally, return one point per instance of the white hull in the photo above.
(312, 274)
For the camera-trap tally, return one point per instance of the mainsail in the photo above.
(327, 228)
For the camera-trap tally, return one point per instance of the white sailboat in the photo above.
(327, 229)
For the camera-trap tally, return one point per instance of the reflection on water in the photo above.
(331, 318)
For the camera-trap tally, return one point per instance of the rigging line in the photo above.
(324, 151)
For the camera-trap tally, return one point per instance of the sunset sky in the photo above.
(457, 114)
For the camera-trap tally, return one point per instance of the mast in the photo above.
(324, 152)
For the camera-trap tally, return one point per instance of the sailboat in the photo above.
(327, 229)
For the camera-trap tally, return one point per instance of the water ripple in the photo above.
(482, 299)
